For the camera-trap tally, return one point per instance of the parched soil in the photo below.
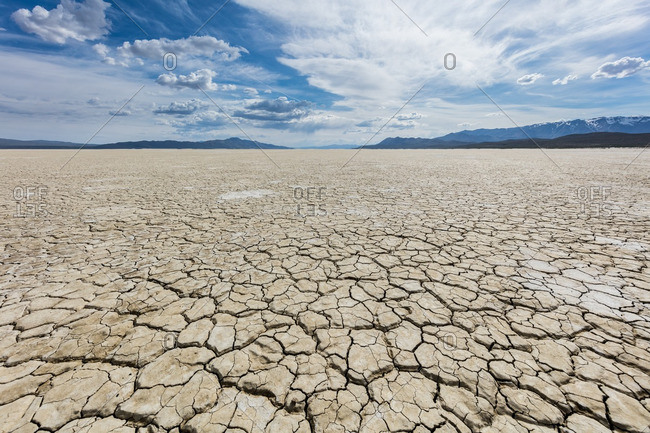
(409, 291)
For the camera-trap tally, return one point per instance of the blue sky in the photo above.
(310, 72)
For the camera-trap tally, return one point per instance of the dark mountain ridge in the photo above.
(593, 140)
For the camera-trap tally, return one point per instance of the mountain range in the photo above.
(229, 143)
(597, 132)
(627, 125)
(575, 141)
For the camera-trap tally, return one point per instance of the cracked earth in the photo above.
(451, 291)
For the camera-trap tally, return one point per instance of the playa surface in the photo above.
(407, 291)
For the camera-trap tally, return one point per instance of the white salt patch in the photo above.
(241, 195)
(634, 246)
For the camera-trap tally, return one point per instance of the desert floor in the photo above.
(409, 291)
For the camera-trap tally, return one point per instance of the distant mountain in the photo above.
(415, 143)
(7, 143)
(334, 146)
(624, 132)
(593, 140)
(230, 143)
(628, 125)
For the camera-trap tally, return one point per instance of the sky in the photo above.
(313, 72)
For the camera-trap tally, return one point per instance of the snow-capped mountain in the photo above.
(628, 125)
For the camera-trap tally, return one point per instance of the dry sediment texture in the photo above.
(446, 291)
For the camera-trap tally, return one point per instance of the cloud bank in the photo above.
(621, 68)
(69, 20)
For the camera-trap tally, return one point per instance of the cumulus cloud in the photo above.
(369, 123)
(405, 121)
(318, 121)
(279, 105)
(195, 80)
(121, 113)
(401, 121)
(281, 109)
(194, 46)
(101, 49)
(411, 116)
(69, 20)
(564, 81)
(181, 108)
(342, 46)
(201, 121)
(529, 79)
(621, 68)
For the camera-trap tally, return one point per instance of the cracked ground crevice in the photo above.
(440, 292)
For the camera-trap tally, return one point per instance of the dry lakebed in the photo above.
(325, 291)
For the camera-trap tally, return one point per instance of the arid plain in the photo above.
(407, 291)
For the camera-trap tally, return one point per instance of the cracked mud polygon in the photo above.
(447, 291)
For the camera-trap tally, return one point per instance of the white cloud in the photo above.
(181, 108)
(319, 121)
(202, 120)
(194, 46)
(195, 80)
(621, 68)
(564, 81)
(228, 87)
(69, 20)
(411, 116)
(121, 113)
(101, 49)
(529, 79)
(405, 121)
(281, 109)
(365, 53)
